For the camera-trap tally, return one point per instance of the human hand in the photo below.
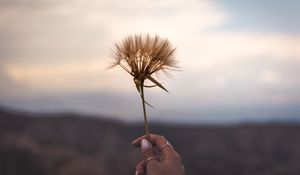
(160, 158)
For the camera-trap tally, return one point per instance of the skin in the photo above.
(168, 161)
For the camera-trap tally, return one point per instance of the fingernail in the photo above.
(145, 144)
(136, 173)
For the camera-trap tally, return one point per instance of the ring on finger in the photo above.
(150, 158)
(165, 145)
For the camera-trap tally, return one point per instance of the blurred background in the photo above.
(233, 109)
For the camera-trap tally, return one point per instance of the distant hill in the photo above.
(70, 144)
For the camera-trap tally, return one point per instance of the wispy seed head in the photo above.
(141, 56)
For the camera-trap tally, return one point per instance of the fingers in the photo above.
(140, 168)
(146, 149)
(159, 142)
(156, 139)
(148, 153)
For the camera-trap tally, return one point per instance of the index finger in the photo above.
(158, 141)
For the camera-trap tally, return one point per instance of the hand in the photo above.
(159, 159)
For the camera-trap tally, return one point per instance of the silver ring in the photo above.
(167, 144)
(150, 158)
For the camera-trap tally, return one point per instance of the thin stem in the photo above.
(144, 110)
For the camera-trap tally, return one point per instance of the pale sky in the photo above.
(240, 60)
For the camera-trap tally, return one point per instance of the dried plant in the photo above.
(142, 56)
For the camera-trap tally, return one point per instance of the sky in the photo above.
(240, 59)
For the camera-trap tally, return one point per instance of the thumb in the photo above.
(147, 150)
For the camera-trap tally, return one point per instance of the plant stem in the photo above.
(144, 111)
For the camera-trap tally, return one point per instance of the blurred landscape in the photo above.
(71, 144)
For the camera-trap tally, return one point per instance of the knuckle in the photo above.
(177, 157)
(152, 136)
(163, 137)
(152, 164)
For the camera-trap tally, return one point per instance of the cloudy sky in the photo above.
(240, 60)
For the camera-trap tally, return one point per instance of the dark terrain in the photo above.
(69, 144)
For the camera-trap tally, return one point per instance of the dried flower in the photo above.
(142, 56)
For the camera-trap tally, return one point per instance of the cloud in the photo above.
(209, 50)
(58, 52)
(61, 41)
(67, 76)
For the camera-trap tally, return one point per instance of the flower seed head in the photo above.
(141, 56)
